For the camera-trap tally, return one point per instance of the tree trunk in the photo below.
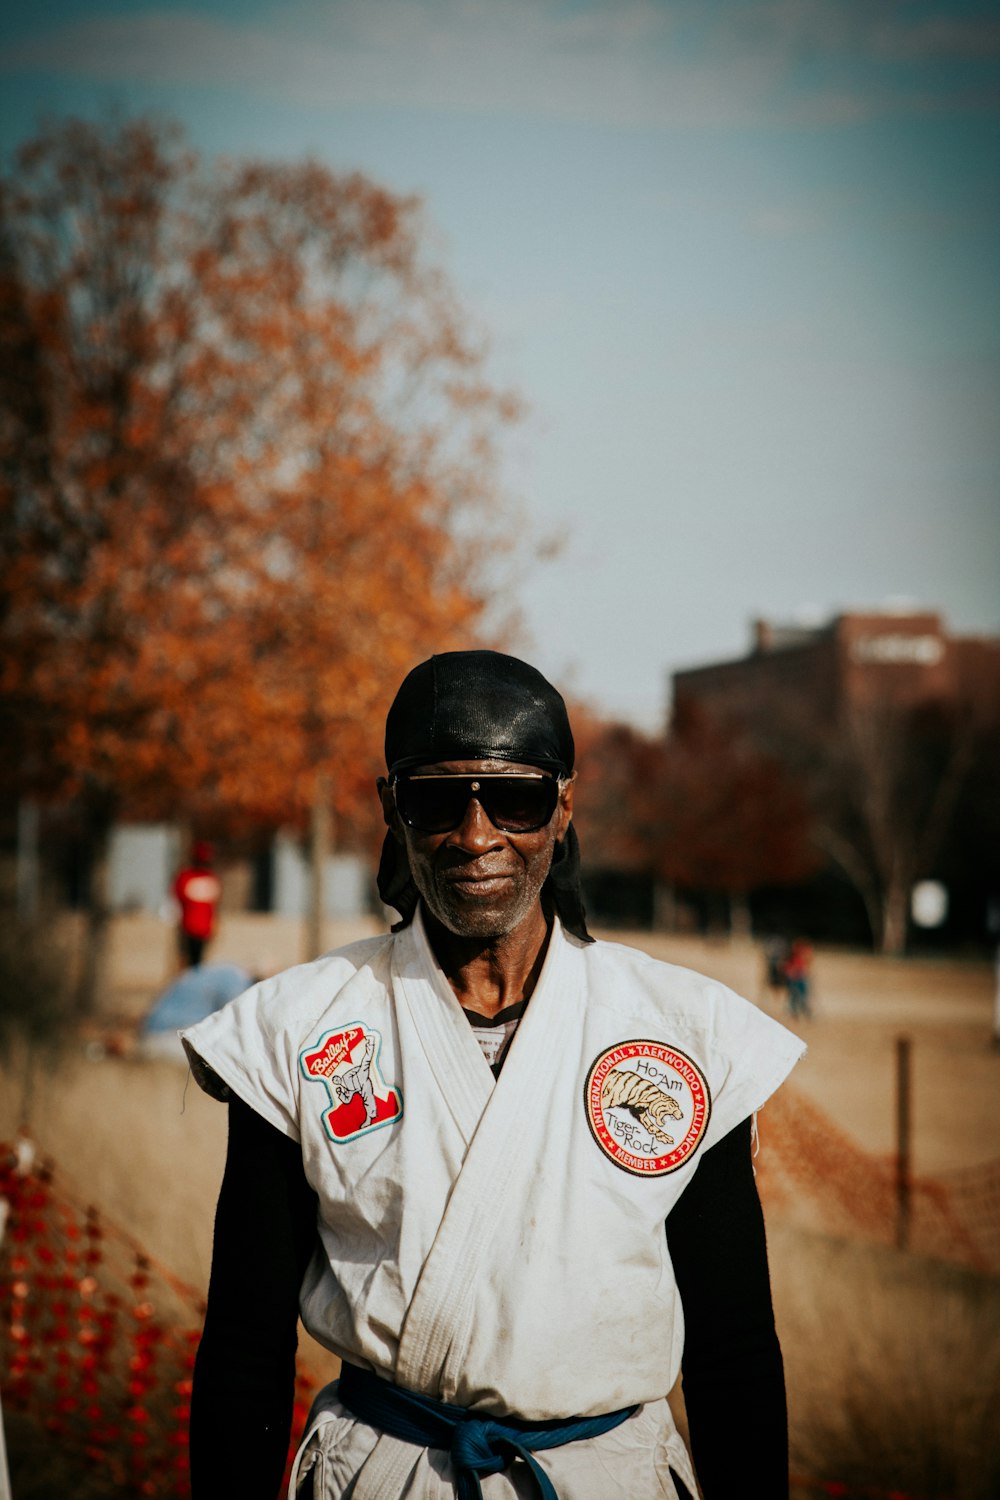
(28, 869)
(739, 916)
(93, 960)
(320, 847)
(858, 872)
(894, 917)
(664, 907)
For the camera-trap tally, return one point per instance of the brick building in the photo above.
(855, 687)
(815, 672)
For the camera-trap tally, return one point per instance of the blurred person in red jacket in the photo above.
(797, 967)
(197, 890)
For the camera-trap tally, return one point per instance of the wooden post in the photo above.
(903, 1124)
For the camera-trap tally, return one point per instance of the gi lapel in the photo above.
(429, 1016)
(436, 1329)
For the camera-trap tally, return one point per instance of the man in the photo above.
(487, 1252)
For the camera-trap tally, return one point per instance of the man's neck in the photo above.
(488, 974)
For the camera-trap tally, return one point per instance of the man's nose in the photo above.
(475, 833)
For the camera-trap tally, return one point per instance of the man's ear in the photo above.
(564, 807)
(389, 814)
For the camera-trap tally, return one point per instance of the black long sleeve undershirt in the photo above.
(733, 1377)
(265, 1232)
(244, 1374)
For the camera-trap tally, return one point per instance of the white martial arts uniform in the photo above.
(498, 1244)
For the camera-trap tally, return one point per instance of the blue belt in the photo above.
(477, 1445)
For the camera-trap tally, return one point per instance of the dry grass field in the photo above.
(893, 1361)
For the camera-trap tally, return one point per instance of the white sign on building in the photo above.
(906, 650)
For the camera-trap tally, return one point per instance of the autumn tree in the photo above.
(701, 809)
(247, 466)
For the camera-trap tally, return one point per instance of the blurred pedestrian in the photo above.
(797, 978)
(197, 889)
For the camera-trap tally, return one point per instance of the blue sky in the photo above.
(739, 256)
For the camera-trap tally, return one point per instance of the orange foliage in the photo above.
(241, 419)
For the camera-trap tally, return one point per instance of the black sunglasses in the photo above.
(514, 804)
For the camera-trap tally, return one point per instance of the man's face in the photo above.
(475, 879)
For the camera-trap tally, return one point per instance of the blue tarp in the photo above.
(193, 995)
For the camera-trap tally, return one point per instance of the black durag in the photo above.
(481, 705)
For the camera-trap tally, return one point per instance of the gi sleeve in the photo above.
(749, 1054)
(250, 1048)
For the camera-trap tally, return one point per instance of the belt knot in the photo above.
(472, 1447)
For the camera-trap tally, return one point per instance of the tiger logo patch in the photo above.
(648, 1106)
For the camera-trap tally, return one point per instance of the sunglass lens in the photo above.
(435, 805)
(518, 804)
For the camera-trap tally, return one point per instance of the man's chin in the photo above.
(478, 924)
(479, 919)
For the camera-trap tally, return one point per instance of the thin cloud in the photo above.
(856, 29)
(938, 37)
(633, 64)
(481, 61)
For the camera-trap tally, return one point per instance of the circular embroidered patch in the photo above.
(647, 1105)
